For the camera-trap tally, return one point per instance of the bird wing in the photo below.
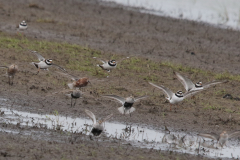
(61, 68)
(118, 98)
(91, 115)
(40, 58)
(141, 97)
(213, 83)
(74, 78)
(188, 94)
(105, 119)
(167, 91)
(234, 134)
(211, 136)
(187, 83)
(103, 61)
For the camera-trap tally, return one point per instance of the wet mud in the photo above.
(113, 29)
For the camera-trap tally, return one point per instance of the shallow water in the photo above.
(144, 137)
(224, 13)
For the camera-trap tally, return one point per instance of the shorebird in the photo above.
(97, 127)
(77, 82)
(75, 95)
(109, 65)
(11, 71)
(43, 63)
(190, 86)
(174, 98)
(126, 102)
(222, 138)
(22, 25)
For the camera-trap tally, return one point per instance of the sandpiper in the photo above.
(11, 71)
(126, 102)
(97, 127)
(75, 94)
(190, 86)
(222, 138)
(77, 82)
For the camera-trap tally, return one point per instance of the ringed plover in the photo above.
(190, 86)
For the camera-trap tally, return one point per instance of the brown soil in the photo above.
(114, 29)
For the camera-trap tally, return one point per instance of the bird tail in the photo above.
(122, 110)
(33, 63)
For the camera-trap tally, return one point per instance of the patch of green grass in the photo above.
(47, 20)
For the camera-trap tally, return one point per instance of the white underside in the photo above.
(42, 65)
(175, 99)
(122, 110)
(108, 67)
(22, 27)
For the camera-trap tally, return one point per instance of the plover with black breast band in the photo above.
(22, 25)
(174, 98)
(190, 86)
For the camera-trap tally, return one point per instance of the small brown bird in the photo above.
(222, 138)
(11, 71)
(77, 82)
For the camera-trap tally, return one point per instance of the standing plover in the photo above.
(11, 71)
(44, 63)
(97, 127)
(77, 82)
(189, 86)
(22, 25)
(126, 102)
(222, 138)
(109, 65)
(174, 98)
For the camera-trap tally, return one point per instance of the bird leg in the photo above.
(75, 103)
(38, 71)
(71, 102)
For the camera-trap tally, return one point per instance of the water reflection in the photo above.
(137, 136)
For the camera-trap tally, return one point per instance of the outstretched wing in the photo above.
(234, 134)
(40, 57)
(191, 93)
(138, 98)
(167, 91)
(103, 61)
(118, 98)
(91, 115)
(61, 68)
(213, 83)
(211, 136)
(74, 78)
(187, 83)
(105, 119)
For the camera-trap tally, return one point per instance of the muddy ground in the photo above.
(113, 29)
